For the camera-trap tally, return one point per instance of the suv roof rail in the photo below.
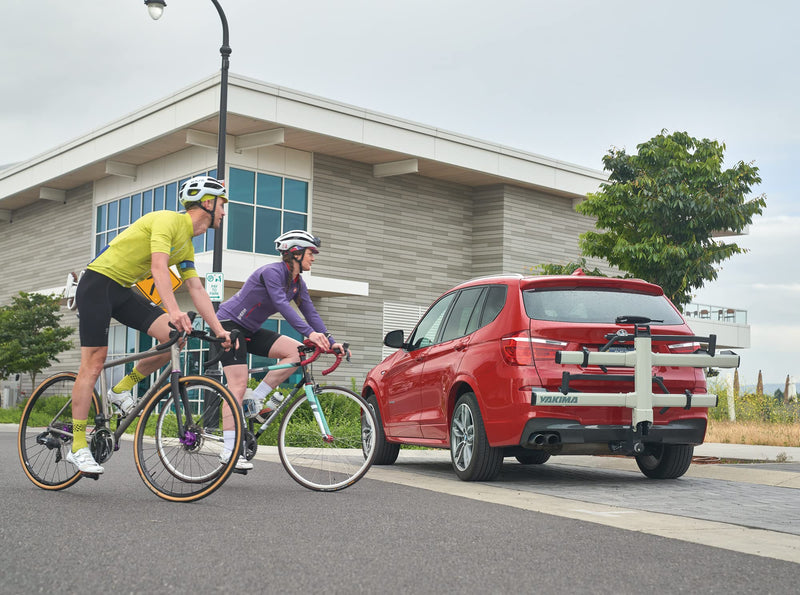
(498, 276)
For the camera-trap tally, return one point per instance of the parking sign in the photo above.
(215, 286)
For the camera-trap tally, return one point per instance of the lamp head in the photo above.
(155, 8)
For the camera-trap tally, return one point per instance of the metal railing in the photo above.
(716, 313)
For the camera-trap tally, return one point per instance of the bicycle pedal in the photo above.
(240, 471)
(94, 476)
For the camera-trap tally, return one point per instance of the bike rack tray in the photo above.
(641, 400)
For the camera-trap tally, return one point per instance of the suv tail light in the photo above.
(545, 349)
(519, 349)
(516, 349)
(683, 347)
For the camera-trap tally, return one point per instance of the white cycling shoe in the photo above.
(123, 401)
(84, 461)
(241, 465)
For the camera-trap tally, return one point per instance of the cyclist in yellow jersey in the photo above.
(149, 246)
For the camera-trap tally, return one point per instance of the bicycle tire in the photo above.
(188, 469)
(45, 433)
(338, 461)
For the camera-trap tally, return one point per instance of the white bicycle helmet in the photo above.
(201, 188)
(297, 239)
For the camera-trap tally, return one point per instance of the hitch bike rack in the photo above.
(641, 400)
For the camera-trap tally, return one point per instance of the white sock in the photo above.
(228, 437)
(262, 390)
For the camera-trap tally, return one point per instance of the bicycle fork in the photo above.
(313, 402)
(179, 400)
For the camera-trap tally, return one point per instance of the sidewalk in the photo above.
(744, 452)
(747, 452)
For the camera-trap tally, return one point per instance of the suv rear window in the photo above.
(597, 305)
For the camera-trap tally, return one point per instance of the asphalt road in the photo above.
(574, 525)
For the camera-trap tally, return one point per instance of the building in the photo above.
(404, 210)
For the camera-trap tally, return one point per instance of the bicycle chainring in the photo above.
(102, 445)
(250, 445)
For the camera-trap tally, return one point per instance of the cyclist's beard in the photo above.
(211, 211)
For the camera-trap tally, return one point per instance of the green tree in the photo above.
(30, 335)
(566, 269)
(657, 214)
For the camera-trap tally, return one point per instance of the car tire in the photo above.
(537, 457)
(665, 461)
(385, 452)
(472, 457)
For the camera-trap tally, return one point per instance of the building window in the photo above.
(262, 207)
(115, 216)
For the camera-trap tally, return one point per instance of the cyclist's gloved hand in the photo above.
(181, 321)
(226, 344)
(340, 348)
(320, 340)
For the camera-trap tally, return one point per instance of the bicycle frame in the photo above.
(334, 449)
(307, 385)
(173, 372)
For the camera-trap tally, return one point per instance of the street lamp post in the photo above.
(156, 9)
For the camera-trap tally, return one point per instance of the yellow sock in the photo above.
(78, 434)
(129, 381)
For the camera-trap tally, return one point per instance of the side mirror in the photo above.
(394, 339)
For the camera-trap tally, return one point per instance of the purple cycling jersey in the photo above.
(268, 290)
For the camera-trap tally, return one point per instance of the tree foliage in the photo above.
(30, 335)
(567, 269)
(657, 214)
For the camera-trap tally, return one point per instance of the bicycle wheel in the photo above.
(327, 463)
(45, 433)
(184, 468)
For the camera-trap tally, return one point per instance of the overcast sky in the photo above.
(566, 79)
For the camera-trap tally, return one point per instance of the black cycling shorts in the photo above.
(99, 299)
(259, 343)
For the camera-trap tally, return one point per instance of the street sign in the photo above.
(215, 286)
(148, 287)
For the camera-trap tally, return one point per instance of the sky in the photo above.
(568, 79)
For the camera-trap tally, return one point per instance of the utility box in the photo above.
(9, 397)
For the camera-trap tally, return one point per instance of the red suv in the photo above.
(469, 376)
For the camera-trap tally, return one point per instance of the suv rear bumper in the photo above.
(554, 435)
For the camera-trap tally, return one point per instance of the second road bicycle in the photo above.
(326, 439)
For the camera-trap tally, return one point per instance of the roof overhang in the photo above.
(260, 114)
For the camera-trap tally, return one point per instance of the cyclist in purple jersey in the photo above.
(270, 290)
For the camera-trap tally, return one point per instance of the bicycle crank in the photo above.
(102, 445)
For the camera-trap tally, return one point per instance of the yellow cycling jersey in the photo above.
(126, 259)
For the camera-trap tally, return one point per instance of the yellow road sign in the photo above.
(148, 287)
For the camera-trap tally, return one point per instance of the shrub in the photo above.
(753, 407)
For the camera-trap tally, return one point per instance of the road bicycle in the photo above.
(178, 439)
(326, 439)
